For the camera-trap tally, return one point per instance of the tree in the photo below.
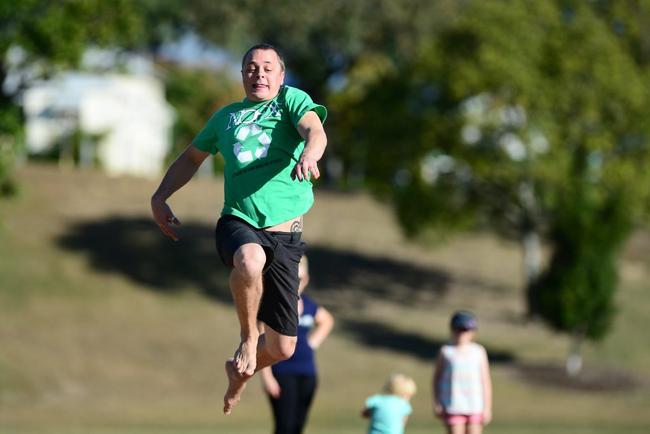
(196, 94)
(321, 39)
(53, 35)
(522, 116)
(575, 293)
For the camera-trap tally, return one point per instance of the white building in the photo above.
(127, 115)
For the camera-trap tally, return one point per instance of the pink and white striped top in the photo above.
(461, 387)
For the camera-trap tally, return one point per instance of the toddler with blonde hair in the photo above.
(389, 411)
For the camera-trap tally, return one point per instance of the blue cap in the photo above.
(463, 320)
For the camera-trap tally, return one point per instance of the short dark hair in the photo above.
(263, 46)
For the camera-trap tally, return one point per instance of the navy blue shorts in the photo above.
(279, 305)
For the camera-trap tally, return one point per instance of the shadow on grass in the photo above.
(590, 378)
(342, 280)
(135, 247)
(346, 280)
(382, 335)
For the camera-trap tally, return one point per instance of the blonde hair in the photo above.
(400, 385)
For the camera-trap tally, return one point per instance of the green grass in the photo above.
(334, 429)
(105, 327)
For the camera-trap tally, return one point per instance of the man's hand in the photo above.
(305, 168)
(310, 128)
(164, 217)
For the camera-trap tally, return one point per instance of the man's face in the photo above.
(262, 75)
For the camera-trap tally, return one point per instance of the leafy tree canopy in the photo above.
(320, 38)
(51, 35)
(513, 113)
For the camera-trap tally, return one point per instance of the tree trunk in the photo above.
(574, 358)
(532, 263)
(531, 244)
(532, 248)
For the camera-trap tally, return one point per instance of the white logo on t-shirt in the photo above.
(263, 139)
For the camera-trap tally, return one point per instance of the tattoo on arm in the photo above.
(297, 225)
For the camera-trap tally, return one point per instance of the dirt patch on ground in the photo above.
(593, 379)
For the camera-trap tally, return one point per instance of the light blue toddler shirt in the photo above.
(387, 414)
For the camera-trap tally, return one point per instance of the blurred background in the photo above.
(485, 155)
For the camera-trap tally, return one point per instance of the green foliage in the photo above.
(196, 94)
(513, 116)
(10, 133)
(52, 35)
(320, 38)
(629, 22)
(58, 32)
(576, 292)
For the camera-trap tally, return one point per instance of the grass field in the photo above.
(107, 328)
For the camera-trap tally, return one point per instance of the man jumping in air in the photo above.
(271, 142)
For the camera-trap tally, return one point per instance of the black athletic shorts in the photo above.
(279, 304)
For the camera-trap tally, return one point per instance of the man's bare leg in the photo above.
(246, 288)
(272, 347)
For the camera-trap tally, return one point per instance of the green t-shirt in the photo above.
(260, 144)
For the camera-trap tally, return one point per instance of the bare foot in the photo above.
(245, 358)
(236, 385)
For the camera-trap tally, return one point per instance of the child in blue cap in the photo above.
(462, 388)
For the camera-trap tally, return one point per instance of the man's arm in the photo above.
(178, 174)
(310, 129)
